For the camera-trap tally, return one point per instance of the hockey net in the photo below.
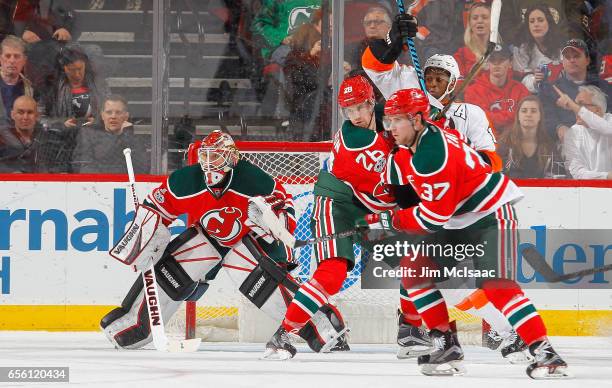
(223, 314)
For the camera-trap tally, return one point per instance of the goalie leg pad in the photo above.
(250, 278)
(127, 327)
(326, 331)
(189, 256)
(173, 279)
(258, 286)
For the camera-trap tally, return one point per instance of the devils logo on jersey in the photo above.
(223, 224)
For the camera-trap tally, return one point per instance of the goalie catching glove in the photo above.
(267, 216)
(144, 241)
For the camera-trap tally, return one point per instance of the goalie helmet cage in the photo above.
(225, 315)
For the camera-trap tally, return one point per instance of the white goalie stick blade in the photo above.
(184, 346)
(262, 215)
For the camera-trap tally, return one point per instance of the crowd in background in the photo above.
(545, 89)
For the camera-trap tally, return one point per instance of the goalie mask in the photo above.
(217, 156)
(444, 65)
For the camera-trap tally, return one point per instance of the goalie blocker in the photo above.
(189, 262)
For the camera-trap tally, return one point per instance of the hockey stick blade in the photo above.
(538, 263)
(334, 236)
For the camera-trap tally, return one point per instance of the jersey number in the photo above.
(362, 159)
(437, 189)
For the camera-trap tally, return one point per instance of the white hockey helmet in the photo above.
(448, 63)
(217, 156)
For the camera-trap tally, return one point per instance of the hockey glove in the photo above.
(404, 26)
(380, 221)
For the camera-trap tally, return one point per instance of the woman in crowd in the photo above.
(78, 92)
(540, 44)
(301, 71)
(526, 148)
(476, 37)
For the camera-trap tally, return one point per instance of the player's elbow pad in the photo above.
(384, 53)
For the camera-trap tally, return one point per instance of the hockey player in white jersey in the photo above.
(379, 61)
(441, 76)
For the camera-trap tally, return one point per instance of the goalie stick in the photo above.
(414, 56)
(493, 39)
(535, 259)
(160, 340)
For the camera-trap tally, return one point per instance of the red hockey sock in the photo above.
(409, 312)
(326, 281)
(431, 306)
(507, 296)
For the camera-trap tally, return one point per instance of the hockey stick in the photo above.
(538, 263)
(334, 236)
(412, 48)
(493, 38)
(156, 320)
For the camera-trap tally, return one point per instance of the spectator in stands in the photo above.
(99, 148)
(20, 142)
(12, 81)
(497, 93)
(588, 144)
(540, 44)
(525, 148)
(79, 90)
(575, 59)
(475, 38)
(376, 25)
(566, 13)
(301, 71)
(441, 26)
(278, 19)
(41, 20)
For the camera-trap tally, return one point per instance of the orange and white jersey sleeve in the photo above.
(389, 78)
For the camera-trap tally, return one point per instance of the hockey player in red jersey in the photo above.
(441, 77)
(460, 192)
(216, 193)
(349, 190)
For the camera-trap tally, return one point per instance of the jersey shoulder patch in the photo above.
(187, 181)
(431, 153)
(355, 137)
(251, 180)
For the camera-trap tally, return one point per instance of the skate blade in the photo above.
(184, 346)
(406, 352)
(544, 373)
(333, 341)
(276, 355)
(519, 358)
(451, 368)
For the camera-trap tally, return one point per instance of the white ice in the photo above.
(94, 363)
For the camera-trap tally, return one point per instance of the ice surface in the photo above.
(93, 363)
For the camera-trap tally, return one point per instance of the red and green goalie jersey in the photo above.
(456, 187)
(224, 215)
(358, 158)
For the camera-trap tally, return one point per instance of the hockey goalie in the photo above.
(248, 245)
